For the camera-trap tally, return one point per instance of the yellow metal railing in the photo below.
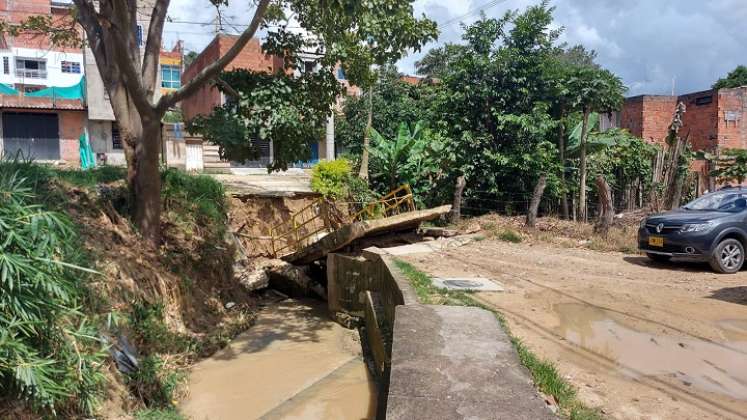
(322, 217)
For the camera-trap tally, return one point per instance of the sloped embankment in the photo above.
(153, 311)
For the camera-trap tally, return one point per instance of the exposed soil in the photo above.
(639, 340)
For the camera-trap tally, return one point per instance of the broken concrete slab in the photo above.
(467, 284)
(347, 234)
(453, 362)
(439, 244)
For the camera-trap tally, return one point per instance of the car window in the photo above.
(729, 201)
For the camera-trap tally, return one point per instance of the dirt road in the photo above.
(639, 340)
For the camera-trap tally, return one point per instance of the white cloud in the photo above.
(646, 42)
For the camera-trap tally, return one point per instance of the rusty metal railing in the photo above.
(322, 217)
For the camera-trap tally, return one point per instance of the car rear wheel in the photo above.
(728, 257)
(658, 257)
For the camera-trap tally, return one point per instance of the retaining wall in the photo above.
(432, 361)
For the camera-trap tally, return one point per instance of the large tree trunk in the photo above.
(582, 169)
(363, 174)
(456, 208)
(564, 194)
(146, 183)
(606, 212)
(539, 189)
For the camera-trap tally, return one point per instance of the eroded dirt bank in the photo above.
(639, 340)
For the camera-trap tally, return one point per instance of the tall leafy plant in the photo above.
(49, 354)
(414, 156)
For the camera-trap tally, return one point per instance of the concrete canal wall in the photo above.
(433, 362)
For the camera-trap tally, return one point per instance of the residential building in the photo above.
(171, 69)
(41, 96)
(251, 57)
(715, 120)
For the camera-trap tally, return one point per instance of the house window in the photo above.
(170, 77)
(308, 66)
(71, 67)
(704, 100)
(31, 68)
(139, 35)
(6, 65)
(116, 138)
(340, 73)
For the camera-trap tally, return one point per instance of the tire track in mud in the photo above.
(660, 385)
(603, 308)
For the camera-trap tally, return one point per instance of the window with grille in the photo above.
(139, 35)
(6, 65)
(171, 77)
(31, 68)
(71, 67)
(116, 138)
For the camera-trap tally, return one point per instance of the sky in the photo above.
(652, 44)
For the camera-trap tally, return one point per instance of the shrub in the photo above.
(197, 199)
(331, 178)
(156, 383)
(49, 354)
(509, 235)
(153, 335)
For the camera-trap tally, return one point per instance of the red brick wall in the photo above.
(700, 121)
(208, 97)
(71, 127)
(732, 134)
(631, 117)
(648, 117)
(17, 11)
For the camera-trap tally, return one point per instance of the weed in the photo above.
(147, 323)
(156, 383)
(91, 177)
(159, 414)
(509, 235)
(546, 376)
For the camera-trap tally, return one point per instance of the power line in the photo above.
(474, 11)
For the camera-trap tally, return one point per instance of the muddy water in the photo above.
(293, 364)
(719, 368)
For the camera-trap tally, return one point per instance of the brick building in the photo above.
(253, 58)
(715, 120)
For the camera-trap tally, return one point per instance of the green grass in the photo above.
(545, 374)
(509, 235)
(159, 414)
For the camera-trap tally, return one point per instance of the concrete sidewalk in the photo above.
(281, 184)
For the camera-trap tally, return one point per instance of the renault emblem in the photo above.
(659, 227)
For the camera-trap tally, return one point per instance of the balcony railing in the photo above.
(31, 74)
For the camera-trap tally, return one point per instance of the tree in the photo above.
(435, 63)
(592, 90)
(736, 78)
(386, 27)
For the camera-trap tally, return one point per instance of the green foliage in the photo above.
(330, 178)
(393, 102)
(50, 355)
(91, 177)
(509, 235)
(159, 414)
(736, 78)
(156, 383)
(290, 111)
(622, 158)
(151, 333)
(415, 157)
(732, 166)
(198, 200)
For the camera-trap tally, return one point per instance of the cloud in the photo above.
(646, 42)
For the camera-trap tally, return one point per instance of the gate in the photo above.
(35, 136)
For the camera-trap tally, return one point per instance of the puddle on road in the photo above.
(694, 363)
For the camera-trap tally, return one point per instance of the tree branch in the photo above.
(87, 18)
(153, 47)
(212, 70)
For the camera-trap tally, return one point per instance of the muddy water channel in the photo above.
(719, 368)
(294, 363)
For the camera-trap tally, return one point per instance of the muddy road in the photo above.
(639, 340)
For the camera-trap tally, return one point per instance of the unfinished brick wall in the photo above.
(700, 120)
(208, 97)
(648, 116)
(72, 124)
(731, 114)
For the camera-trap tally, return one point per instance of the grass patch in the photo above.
(544, 373)
(159, 414)
(509, 235)
(91, 177)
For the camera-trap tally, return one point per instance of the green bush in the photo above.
(147, 324)
(50, 355)
(509, 235)
(156, 383)
(330, 178)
